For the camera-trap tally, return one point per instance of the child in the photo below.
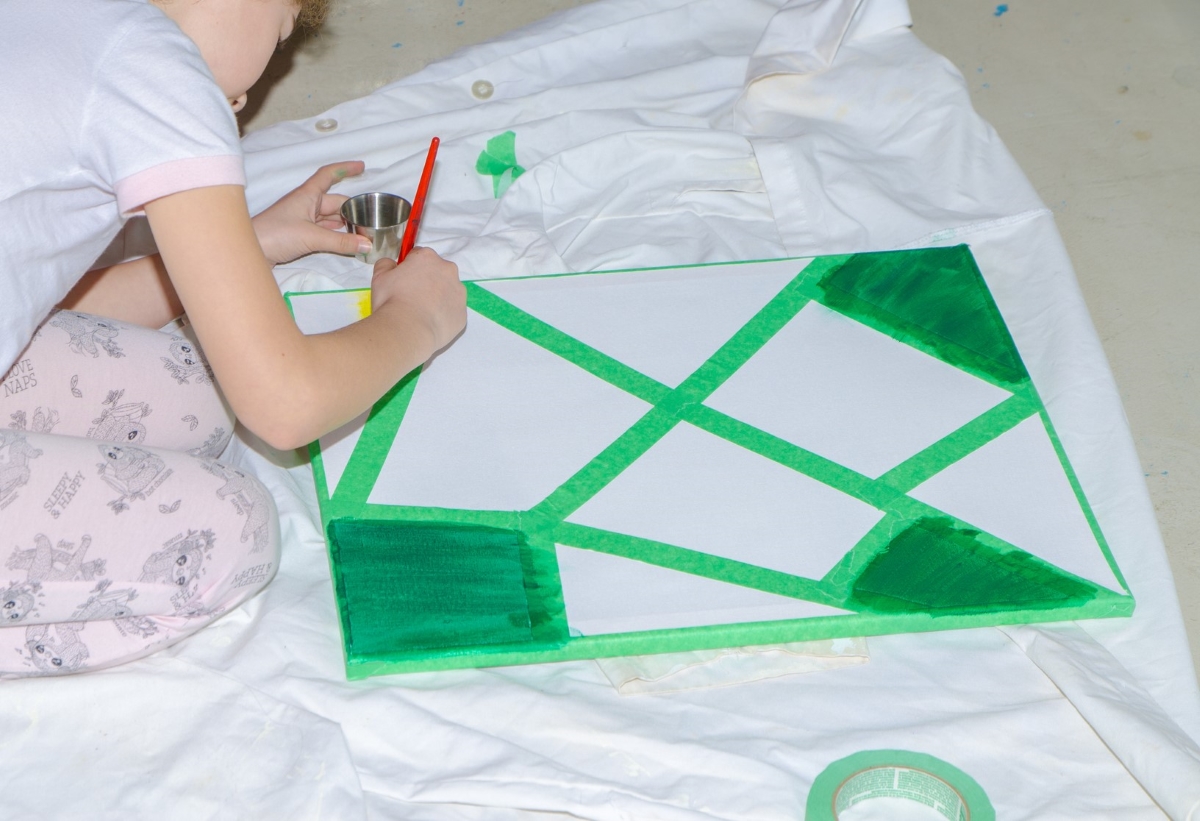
(126, 533)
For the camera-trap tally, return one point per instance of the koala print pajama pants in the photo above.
(120, 531)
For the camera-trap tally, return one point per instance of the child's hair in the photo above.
(312, 13)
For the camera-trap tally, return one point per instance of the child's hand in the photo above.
(309, 219)
(425, 289)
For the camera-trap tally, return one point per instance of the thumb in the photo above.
(382, 267)
(335, 242)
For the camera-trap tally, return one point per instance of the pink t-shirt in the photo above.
(106, 105)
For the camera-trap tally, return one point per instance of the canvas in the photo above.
(671, 459)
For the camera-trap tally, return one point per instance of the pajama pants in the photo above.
(120, 531)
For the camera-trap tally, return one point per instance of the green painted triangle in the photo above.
(937, 567)
(934, 298)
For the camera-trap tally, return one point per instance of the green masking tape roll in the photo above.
(897, 774)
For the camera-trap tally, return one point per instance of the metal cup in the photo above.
(380, 218)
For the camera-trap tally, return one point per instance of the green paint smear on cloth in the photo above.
(934, 299)
(933, 566)
(499, 161)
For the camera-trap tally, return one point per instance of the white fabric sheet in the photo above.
(662, 132)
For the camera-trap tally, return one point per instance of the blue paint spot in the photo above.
(397, 45)
(987, 85)
(460, 2)
(979, 70)
(1116, 122)
(459, 23)
(1164, 473)
(1000, 9)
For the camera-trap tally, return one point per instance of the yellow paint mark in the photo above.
(363, 304)
(1143, 135)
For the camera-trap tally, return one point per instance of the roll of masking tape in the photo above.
(897, 774)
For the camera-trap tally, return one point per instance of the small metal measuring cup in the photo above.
(380, 218)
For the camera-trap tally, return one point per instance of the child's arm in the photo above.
(287, 387)
(304, 221)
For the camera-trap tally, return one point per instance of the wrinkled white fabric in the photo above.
(664, 132)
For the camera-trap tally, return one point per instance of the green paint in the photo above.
(916, 777)
(499, 161)
(937, 567)
(407, 586)
(934, 298)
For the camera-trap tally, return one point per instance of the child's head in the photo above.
(238, 37)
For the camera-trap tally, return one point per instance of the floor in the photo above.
(1099, 100)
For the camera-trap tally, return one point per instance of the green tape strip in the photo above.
(917, 777)
(694, 562)
(499, 161)
(971, 436)
(720, 636)
(1073, 478)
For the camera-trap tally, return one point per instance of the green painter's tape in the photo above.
(917, 777)
(954, 446)
(1088, 513)
(499, 161)
(693, 562)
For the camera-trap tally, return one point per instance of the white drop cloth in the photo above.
(659, 132)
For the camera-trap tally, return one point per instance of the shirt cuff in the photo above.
(177, 175)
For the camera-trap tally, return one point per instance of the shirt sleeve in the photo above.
(156, 122)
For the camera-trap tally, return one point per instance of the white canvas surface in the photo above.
(850, 393)
(497, 423)
(809, 106)
(695, 490)
(612, 594)
(1014, 487)
(662, 323)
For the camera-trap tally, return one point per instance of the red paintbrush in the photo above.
(414, 218)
